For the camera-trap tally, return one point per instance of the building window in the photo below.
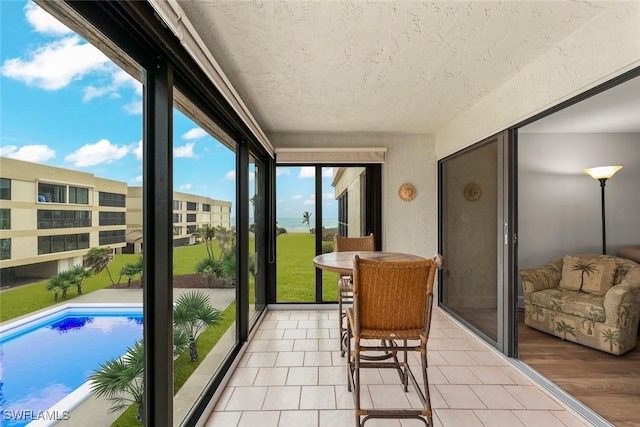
(177, 218)
(191, 229)
(343, 215)
(62, 243)
(112, 218)
(191, 206)
(52, 193)
(111, 199)
(191, 217)
(5, 248)
(79, 195)
(111, 237)
(63, 219)
(206, 207)
(5, 219)
(5, 190)
(177, 205)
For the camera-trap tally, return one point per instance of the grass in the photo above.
(296, 272)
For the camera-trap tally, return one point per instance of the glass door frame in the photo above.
(506, 239)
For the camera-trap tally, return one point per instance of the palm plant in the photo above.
(209, 268)
(226, 239)
(54, 285)
(565, 328)
(306, 219)
(63, 281)
(121, 380)
(98, 259)
(207, 233)
(193, 313)
(132, 270)
(79, 274)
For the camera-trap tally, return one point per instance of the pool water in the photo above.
(44, 361)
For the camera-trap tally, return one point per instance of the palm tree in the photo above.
(611, 337)
(564, 328)
(207, 233)
(54, 285)
(65, 280)
(98, 259)
(80, 273)
(209, 268)
(306, 219)
(226, 239)
(586, 268)
(193, 313)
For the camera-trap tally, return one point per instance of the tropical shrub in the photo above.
(209, 268)
(192, 314)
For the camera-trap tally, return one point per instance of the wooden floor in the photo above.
(608, 384)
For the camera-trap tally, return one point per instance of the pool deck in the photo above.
(97, 409)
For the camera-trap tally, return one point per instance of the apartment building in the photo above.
(190, 212)
(51, 216)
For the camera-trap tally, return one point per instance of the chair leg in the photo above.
(427, 404)
(340, 320)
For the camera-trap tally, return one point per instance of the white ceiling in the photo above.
(392, 66)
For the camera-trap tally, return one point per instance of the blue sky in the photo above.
(65, 104)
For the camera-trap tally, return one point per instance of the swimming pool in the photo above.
(44, 358)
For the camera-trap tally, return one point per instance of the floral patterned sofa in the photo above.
(593, 300)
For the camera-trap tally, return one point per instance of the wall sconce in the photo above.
(602, 174)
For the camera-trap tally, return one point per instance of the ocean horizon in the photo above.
(295, 225)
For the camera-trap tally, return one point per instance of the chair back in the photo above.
(390, 295)
(348, 244)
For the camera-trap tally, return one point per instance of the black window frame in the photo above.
(73, 195)
(110, 237)
(116, 200)
(5, 189)
(192, 206)
(5, 248)
(52, 195)
(62, 243)
(5, 218)
(112, 218)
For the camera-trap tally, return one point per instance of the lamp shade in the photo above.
(602, 171)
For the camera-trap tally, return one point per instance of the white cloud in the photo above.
(43, 22)
(194, 133)
(28, 153)
(230, 176)
(307, 172)
(137, 150)
(328, 195)
(54, 65)
(94, 154)
(280, 200)
(185, 187)
(282, 171)
(296, 197)
(134, 107)
(137, 178)
(309, 202)
(184, 151)
(327, 172)
(119, 79)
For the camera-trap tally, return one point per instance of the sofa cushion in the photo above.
(589, 274)
(577, 303)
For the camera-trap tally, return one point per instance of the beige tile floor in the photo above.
(292, 375)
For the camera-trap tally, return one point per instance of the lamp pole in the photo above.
(603, 182)
(602, 174)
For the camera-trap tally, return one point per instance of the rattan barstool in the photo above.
(391, 315)
(345, 287)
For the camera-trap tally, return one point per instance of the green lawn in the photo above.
(296, 276)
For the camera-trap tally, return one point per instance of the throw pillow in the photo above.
(588, 274)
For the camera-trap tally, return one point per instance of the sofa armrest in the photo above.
(545, 277)
(620, 302)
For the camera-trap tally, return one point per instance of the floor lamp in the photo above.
(602, 174)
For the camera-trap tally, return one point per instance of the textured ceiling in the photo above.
(392, 66)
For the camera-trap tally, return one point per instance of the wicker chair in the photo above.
(392, 303)
(345, 287)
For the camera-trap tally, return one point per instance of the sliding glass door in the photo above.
(476, 238)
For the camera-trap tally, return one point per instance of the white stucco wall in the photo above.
(407, 226)
(605, 47)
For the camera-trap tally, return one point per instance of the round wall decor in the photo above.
(407, 192)
(472, 192)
